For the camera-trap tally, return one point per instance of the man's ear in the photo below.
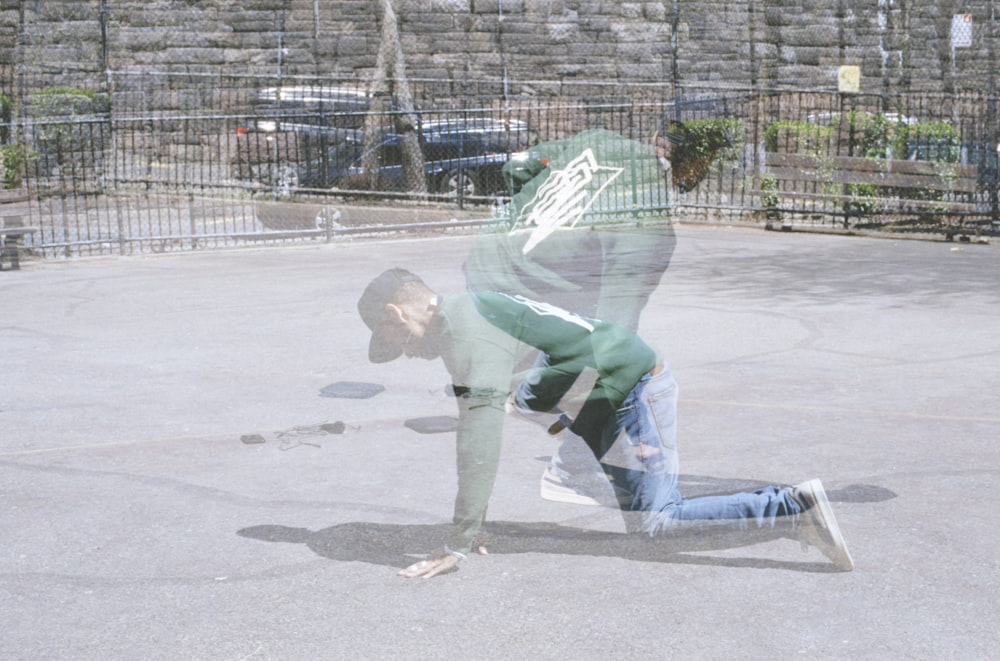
(396, 313)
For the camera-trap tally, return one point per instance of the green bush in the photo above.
(881, 135)
(12, 160)
(769, 198)
(68, 102)
(6, 116)
(864, 199)
(872, 135)
(698, 143)
(797, 138)
(934, 141)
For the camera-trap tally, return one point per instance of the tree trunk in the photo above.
(390, 84)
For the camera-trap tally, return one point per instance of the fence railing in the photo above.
(120, 182)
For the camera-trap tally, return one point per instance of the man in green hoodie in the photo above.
(587, 228)
(628, 419)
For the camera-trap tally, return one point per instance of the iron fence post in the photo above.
(990, 153)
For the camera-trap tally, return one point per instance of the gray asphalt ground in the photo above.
(138, 522)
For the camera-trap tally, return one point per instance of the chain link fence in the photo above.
(158, 164)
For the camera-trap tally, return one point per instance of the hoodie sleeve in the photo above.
(620, 357)
(480, 361)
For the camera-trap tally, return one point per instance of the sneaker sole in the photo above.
(841, 557)
(558, 492)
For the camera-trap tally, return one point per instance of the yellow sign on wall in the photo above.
(849, 78)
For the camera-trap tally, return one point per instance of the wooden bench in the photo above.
(854, 187)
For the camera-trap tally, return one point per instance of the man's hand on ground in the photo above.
(439, 561)
(430, 567)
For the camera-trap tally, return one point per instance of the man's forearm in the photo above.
(478, 442)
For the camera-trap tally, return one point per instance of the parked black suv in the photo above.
(312, 145)
(462, 158)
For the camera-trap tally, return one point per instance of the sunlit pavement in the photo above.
(177, 484)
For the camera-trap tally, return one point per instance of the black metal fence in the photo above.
(228, 165)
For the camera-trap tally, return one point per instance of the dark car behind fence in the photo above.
(128, 179)
(462, 155)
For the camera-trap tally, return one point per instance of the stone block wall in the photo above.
(667, 44)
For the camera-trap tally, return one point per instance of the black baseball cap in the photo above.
(371, 305)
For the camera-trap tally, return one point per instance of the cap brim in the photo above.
(382, 351)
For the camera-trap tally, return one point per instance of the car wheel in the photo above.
(458, 183)
(329, 218)
(287, 179)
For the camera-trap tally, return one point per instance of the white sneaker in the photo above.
(553, 421)
(818, 526)
(569, 490)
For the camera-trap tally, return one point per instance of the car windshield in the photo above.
(344, 153)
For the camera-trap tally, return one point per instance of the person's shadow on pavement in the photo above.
(387, 544)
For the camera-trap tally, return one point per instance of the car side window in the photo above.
(441, 151)
(390, 154)
(344, 154)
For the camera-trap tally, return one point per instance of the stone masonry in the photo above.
(527, 44)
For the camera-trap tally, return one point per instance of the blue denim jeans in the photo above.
(640, 457)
